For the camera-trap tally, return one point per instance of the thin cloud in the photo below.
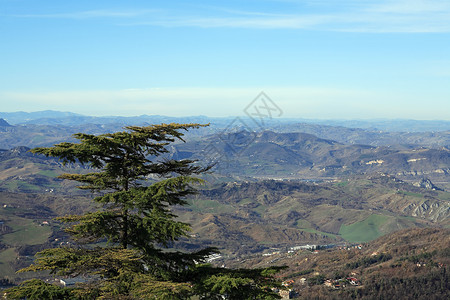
(396, 16)
(372, 23)
(285, 22)
(90, 14)
(400, 16)
(411, 7)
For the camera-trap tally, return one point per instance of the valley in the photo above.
(268, 191)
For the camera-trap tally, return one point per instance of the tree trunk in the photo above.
(125, 229)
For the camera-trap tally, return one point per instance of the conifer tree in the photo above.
(136, 220)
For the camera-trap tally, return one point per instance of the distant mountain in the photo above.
(3, 123)
(22, 117)
(50, 117)
(270, 154)
(393, 125)
(299, 155)
(250, 216)
(348, 135)
(61, 125)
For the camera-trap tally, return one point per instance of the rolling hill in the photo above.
(48, 127)
(407, 264)
(326, 192)
(304, 156)
(286, 213)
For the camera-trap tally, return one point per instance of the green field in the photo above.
(26, 232)
(7, 257)
(341, 184)
(310, 230)
(48, 173)
(260, 209)
(364, 231)
(410, 194)
(306, 226)
(16, 185)
(209, 206)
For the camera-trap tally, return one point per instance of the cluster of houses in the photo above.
(424, 264)
(341, 283)
(421, 264)
(213, 257)
(291, 250)
(359, 247)
(287, 292)
(271, 253)
(304, 247)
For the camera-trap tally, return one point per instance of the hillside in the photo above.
(22, 171)
(239, 217)
(394, 133)
(253, 216)
(407, 264)
(263, 213)
(3, 123)
(304, 156)
(27, 225)
(325, 193)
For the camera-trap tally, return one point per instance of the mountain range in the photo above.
(48, 127)
(50, 117)
(304, 156)
(258, 212)
(285, 185)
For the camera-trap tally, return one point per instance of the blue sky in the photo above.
(315, 58)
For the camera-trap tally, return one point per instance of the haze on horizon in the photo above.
(315, 59)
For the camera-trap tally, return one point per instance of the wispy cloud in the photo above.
(397, 16)
(402, 16)
(285, 21)
(411, 6)
(91, 14)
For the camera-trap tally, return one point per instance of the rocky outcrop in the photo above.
(426, 183)
(429, 209)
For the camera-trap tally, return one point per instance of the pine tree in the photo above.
(136, 220)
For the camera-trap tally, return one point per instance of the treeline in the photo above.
(367, 261)
(419, 257)
(300, 273)
(432, 286)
